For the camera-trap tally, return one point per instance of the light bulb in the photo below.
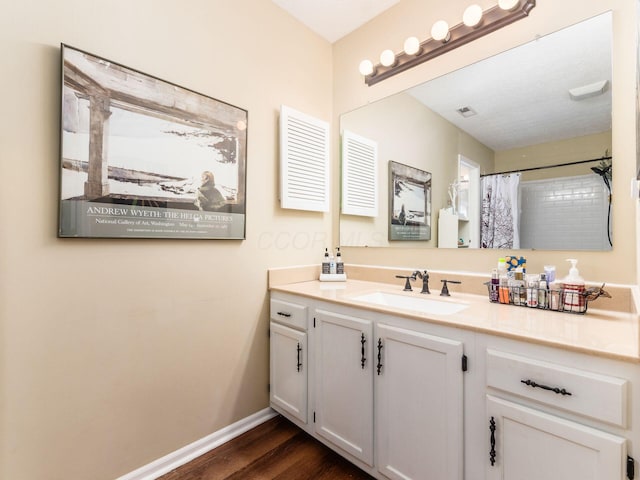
(412, 46)
(472, 16)
(387, 58)
(366, 67)
(440, 31)
(508, 4)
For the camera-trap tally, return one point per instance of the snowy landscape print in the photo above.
(409, 203)
(144, 158)
(147, 144)
(128, 137)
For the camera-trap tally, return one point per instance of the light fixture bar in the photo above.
(492, 19)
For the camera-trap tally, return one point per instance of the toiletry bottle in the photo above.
(325, 262)
(532, 289)
(339, 263)
(519, 290)
(550, 273)
(542, 291)
(495, 285)
(332, 264)
(502, 266)
(554, 295)
(503, 292)
(573, 289)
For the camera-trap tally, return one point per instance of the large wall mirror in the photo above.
(518, 147)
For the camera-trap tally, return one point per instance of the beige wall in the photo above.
(117, 352)
(554, 153)
(413, 17)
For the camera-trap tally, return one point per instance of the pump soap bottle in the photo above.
(325, 262)
(339, 263)
(573, 290)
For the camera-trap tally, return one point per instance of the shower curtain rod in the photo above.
(547, 166)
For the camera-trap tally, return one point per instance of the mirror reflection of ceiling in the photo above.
(521, 97)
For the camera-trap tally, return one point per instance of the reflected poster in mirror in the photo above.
(144, 158)
(409, 203)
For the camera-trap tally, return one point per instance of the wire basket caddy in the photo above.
(567, 300)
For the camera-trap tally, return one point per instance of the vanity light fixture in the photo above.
(472, 16)
(508, 4)
(440, 31)
(387, 58)
(366, 67)
(411, 46)
(476, 23)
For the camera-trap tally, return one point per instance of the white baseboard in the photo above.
(187, 453)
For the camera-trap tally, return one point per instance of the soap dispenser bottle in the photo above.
(339, 262)
(573, 290)
(332, 264)
(326, 266)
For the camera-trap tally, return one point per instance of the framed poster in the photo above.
(409, 203)
(144, 158)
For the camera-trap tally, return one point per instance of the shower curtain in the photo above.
(499, 222)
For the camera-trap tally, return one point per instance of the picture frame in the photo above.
(409, 203)
(141, 157)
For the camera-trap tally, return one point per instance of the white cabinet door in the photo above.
(528, 444)
(344, 383)
(419, 405)
(289, 371)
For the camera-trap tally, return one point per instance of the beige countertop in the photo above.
(605, 333)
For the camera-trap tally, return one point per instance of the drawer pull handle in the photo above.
(284, 314)
(559, 391)
(379, 366)
(492, 452)
(299, 349)
(363, 359)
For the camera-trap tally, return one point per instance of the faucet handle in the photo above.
(407, 284)
(445, 289)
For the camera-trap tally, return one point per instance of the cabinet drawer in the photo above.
(600, 397)
(287, 313)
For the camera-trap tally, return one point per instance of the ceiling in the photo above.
(333, 19)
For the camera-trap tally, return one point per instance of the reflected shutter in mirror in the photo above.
(359, 175)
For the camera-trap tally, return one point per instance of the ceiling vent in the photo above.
(466, 112)
(591, 90)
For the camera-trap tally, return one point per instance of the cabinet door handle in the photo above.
(363, 359)
(559, 391)
(492, 452)
(284, 314)
(299, 349)
(379, 366)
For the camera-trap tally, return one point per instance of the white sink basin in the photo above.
(417, 304)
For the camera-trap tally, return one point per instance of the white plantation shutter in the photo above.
(304, 161)
(359, 175)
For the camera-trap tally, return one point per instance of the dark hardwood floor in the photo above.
(277, 449)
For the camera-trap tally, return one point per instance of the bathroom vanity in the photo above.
(469, 390)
